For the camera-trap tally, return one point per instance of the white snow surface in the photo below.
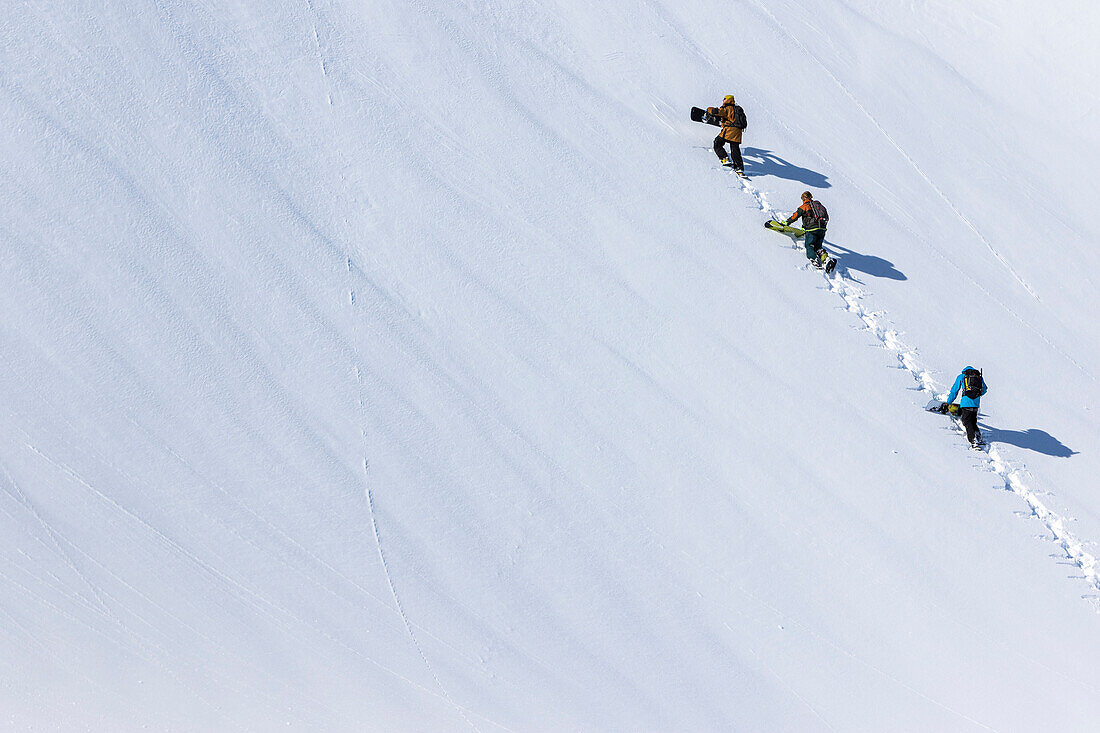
(412, 366)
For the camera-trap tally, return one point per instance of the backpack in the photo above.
(972, 384)
(820, 213)
(739, 120)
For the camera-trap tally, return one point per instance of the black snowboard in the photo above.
(943, 408)
(700, 115)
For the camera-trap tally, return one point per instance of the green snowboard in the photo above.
(827, 262)
(778, 226)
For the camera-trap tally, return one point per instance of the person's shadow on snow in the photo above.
(760, 162)
(1034, 439)
(848, 260)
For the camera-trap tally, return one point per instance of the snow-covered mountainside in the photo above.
(415, 367)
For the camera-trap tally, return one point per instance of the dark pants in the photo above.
(968, 416)
(814, 241)
(735, 152)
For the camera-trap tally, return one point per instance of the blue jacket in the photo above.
(965, 401)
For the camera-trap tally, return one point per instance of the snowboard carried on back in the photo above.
(825, 262)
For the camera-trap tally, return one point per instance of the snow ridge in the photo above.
(876, 322)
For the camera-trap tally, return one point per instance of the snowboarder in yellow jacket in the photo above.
(733, 122)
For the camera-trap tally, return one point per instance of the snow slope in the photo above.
(413, 367)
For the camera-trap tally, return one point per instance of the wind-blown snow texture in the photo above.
(414, 367)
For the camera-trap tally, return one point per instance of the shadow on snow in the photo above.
(760, 162)
(869, 264)
(1034, 439)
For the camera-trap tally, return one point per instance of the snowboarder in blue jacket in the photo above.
(972, 385)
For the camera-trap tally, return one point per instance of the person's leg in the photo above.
(968, 416)
(720, 147)
(813, 244)
(735, 157)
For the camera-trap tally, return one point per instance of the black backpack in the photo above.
(972, 383)
(739, 120)
(820, 213)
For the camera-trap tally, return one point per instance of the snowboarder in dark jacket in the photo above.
(815, 219)
(730, 133)
(972, 384)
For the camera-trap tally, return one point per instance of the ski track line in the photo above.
(275, 530)
(352, 303)
(362, 403)
(56, 540)
(876, 322)
(786, 685)
(262, 606)
(320, 54)
(401, 609)
(63, 661)
(140, 650)
(144, 647)
(271, 696)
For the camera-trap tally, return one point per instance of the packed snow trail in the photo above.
(876, 322)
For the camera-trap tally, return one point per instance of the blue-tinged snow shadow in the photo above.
(760, 162)
(875, 266)
(1034, 439)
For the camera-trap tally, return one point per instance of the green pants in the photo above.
(815, 240)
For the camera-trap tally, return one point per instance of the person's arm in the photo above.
(985, 387)
(797, 213)
(955, 389)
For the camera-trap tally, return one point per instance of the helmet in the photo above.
(728, 98)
